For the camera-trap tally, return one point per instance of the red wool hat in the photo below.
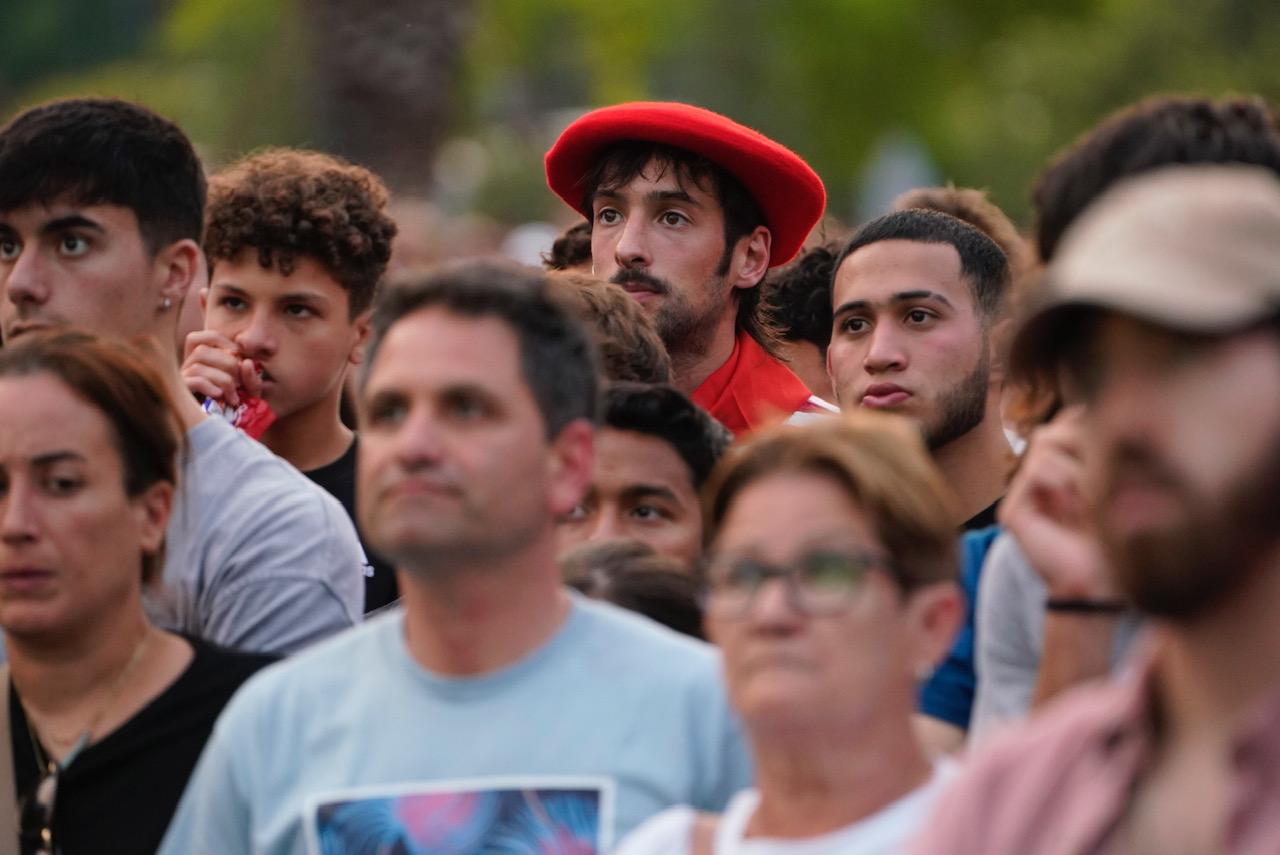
(790, 194)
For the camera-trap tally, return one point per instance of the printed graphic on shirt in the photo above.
(490, 816)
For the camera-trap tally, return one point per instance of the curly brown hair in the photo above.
(290, 202)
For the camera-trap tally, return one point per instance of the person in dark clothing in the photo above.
(297, 243)
(107, 714)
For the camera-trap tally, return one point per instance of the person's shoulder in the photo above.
(665, 833)
(234, 477)
(325, 668)
(628, 635)
(1042, 750)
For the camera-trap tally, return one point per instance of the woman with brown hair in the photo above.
(832, 594)
(106, 713)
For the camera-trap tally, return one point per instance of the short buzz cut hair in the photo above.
(982, 262)
(93, 151)
(556, 355)
(284, 203)
(972, 206)
(665, 413)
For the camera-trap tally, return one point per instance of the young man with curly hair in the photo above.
(297, 242)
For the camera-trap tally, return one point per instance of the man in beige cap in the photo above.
(1163, 306)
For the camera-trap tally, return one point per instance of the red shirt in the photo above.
(751, 389)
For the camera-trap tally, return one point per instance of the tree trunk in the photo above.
(385, 72)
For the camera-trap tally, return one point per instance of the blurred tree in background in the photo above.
(459, 98)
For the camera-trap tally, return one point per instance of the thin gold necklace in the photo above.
(46, 763)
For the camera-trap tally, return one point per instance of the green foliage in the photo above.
(991, 87)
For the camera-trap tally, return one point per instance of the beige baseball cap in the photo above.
(1192, 248)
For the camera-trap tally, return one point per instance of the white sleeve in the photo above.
(665, 833)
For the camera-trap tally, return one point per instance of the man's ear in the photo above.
(152, 507)
(572, 456)
(934, 613)
(180, 266)
(751, 258)
(362, 327)
(998, 341)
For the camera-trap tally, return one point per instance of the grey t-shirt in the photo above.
(1010, 636)
(257, 557)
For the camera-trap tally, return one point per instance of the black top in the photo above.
(339, 480)
(119, 794)
(983, 518)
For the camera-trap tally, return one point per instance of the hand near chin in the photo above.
(1047, 512)
(213, 367)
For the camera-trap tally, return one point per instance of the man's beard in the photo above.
(1184, 569)
(963, 406)
(682, 328)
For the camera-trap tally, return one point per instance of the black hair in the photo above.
(798, 297)
(632, 575)
(1156, 132)
(105, 151)
(982, 262)
(571, 249)
(621, 162)
(665, 413)
(556, 355)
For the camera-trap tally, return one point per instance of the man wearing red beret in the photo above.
(688, 210)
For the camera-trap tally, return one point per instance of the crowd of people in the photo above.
(717, 535)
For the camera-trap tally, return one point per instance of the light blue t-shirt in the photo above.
(352, 745)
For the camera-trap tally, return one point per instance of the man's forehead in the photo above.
(651, 458)
(35, 215)
(878, 270)
(434, 343)
(661, 174)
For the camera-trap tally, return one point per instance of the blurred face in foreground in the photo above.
(1185, 459)
(71, 540)
(454, 461)
(813, 628)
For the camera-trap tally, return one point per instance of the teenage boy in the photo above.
(297, 242)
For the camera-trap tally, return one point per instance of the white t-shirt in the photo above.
(886, 832)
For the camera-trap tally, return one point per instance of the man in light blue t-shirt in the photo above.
(494, 712)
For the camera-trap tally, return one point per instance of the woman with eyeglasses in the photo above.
(106, 713)
(832, 594)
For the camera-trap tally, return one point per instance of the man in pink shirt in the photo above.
(1163, 307)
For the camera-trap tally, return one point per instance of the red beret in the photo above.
(790, 194)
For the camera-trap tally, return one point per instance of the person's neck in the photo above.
(976, 466)
(57, 675)
(819, 780)
(1212, 672)
(163, 359)
(474, 618)
(808, 363)
(313, 436)
(689, 368)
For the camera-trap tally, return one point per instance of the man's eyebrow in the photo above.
(900, 297)
(302, 296)
(851, 306)
(673, 196)
(70, 221)
(52, 457)
(647, 491)
(921, 294)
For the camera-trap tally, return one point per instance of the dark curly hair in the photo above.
(798, 297)
(289, 202)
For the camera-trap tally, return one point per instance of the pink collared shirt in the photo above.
(1061, 784)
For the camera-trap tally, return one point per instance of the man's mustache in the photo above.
(639, 277)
